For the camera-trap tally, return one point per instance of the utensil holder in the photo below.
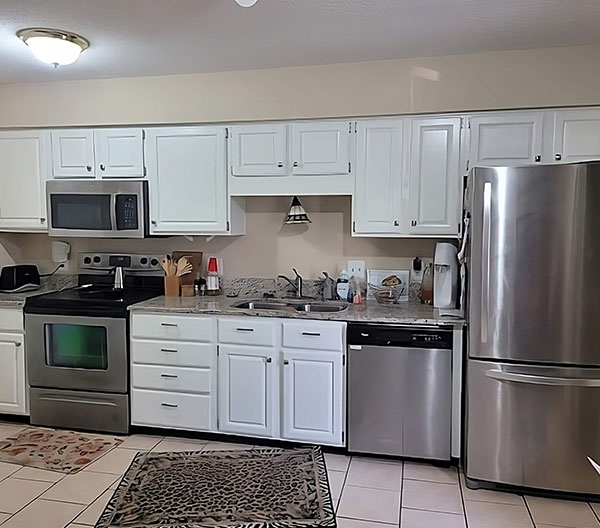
(172, 284)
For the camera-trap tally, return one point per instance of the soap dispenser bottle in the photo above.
(342, 286)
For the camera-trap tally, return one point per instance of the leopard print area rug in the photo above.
(255, 488)
(61, 451)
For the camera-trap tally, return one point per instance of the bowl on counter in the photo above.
(387, 294)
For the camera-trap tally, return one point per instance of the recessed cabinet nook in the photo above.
(404, 174)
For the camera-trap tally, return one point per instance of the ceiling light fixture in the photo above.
(296, 214)
(53, 46)
(246, 3)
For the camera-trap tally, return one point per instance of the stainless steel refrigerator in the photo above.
(533, 368)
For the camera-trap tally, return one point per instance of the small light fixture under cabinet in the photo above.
(54, 46)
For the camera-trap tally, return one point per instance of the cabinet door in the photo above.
(119, 153)
(321, 148)
(576, 135)
(510, 139)
(73, 154)
(13, 398)
(313, 396)
(247, 395)
(379, 157)
(187, 176)
(258, 150)
(434, 177)
(24, 160)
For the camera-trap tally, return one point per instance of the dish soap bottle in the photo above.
(427, 285)
(342, 286)
(213, 286)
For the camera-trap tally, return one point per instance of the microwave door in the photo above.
(74, 214)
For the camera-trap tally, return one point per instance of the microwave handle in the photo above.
(113, 211)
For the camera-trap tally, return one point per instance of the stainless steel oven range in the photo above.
(78, 344)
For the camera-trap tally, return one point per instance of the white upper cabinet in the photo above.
(101, 153)
(73, 154)
(24, 162)
(506, 139)
(379, 159)
(258, 150)
(576, 135)
(188, 180)
(246, 390)
(321, 147)
(119, 152)
(434, 176)
(313, 388)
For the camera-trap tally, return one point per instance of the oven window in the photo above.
(76, 346)
(81, 211)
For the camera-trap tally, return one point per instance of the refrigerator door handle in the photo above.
(485, 260)
(542, 380)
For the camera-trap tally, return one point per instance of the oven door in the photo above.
(83, 353)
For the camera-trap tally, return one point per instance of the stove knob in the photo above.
(143, 261)
(96, 259)
(154, 262)
(87, 260)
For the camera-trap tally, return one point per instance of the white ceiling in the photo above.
(157, 37)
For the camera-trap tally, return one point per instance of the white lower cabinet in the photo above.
(13, 381)
(247, 392)
(312, 396)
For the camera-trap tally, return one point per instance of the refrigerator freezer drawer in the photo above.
(533, 426)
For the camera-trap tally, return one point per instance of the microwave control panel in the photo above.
(127, 211)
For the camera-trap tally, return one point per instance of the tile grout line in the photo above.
(343, 484)
(401, 494)
(529, 511)
(594, 512)
(462, 496)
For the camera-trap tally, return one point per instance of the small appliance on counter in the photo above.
(19, 278)
(445, 277)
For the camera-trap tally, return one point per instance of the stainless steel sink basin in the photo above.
(321, 307)
(261, 305)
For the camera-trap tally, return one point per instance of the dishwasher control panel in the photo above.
(399, 336)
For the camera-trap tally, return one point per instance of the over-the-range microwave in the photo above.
(98, 208)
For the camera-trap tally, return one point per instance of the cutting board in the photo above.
(195, 259)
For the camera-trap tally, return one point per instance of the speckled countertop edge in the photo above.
(410, 312)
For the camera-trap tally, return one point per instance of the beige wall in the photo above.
(530, 78)
(268, 248)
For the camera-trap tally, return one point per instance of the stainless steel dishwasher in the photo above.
(400, 390)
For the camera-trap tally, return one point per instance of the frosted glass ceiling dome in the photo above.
(53, 46)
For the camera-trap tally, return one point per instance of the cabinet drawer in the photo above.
(176, 379)
(177, 354)
(11, 319)
(314, 335)
(178, 327)
(169, 409)
(247, 331)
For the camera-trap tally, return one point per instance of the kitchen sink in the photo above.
(264, 304)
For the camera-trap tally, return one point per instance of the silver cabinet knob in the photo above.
(413, 223)
(538, 159)
(43, 220)
(557, 157)
(286, 362)
(295, 163)
(268, 360)
(102, 167)
(153, 222)
(89, 168)
(280, 164)
(396, 223)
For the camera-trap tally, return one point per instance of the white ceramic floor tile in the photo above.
(482, 495)
(140, 442)
(16, 493)
(44, 513)
(430, 473)
(336, 483)
(175, 446)
(370, 504)
(432, 496)
(337, 462)
(494, 515)
(8, 469)
(4, 517)
(116, 461)
(83, 487)
(30, 473)
(92, 513)
(7, 430)
(596, 507)
(562, 512)
(375, 475)
(342, 522)
(226, 446)
(429, 519)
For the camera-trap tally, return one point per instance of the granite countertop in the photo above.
(48, 284)
(370, 312)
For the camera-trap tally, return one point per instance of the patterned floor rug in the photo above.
(266, 488)
(62, 451)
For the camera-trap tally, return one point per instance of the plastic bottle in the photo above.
(427, 285)
(213, 286)
(342, 286)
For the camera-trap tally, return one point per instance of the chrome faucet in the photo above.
(296, 284)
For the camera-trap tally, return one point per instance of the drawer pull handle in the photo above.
(286, 362)
(245, 329)
(168, 350)
(171, 376)
(170, 405)
(312, 334)
(168, 324)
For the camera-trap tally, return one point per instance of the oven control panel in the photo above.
(129, 262)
